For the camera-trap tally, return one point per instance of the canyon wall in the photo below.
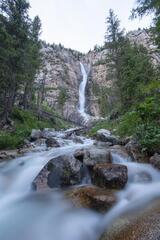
(61, 75)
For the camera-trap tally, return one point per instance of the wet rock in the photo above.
(59, 172)
(106, 136)
(155, 160)
(145, 226)
(80, 154)
(133, 149)
(103, 144)
(110, 175)
(93, 197)
(36, 134)
(48, 133)
(77, 131)
(8, 154)
(51, 142)
(93, 155)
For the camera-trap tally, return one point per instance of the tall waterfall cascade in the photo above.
(82, 98)
(82, 93)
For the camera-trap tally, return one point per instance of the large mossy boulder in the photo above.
(110, 175)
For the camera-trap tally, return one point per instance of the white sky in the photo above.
(80, 24)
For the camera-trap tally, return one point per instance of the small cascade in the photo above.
(46, 215)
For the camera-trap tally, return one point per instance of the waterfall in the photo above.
(82, 88)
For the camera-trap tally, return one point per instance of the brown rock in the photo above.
(51, 142)
(93, 197)
(155, 160)
(110, 175)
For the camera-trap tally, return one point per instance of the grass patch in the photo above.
(24, 122)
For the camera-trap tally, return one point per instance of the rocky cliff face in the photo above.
(61, 76)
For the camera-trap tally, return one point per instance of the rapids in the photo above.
(29, 215)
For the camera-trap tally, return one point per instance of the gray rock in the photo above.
(155, 160)
(93, 155)
(59, 172)
(110, 175)
(36, 134)
(51, 142)
(133, 149)
(106, 136)
(8, 154)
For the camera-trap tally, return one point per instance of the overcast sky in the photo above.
(80, 24)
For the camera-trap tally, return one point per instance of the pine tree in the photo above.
(33, 60)
(19, 54)
(145, 7)
(16, 24)
(113, 42)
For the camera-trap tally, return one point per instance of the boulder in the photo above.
(106, 136)
(93, 155)
(155, 160)
(134, 150)
(52, 142)
(36, 134)
(8, 154)
(102, 144)
(59, 172)
(93, 197)
(48, 133)
(110, 175)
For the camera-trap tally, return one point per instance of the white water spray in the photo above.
(38, 216)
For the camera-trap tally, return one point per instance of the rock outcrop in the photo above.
(60, 76)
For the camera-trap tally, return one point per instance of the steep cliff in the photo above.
(61, 76)
(59, 79)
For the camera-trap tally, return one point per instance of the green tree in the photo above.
(32, 61)
(145, 7)
(135, 71)
(113, 38)
(15, 25)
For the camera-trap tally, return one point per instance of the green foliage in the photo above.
(102, 94)
(128, 124)
(103, 102)
(105, 124)
(24, 122)
(135, 71)
(62, 96)
(145, 7)
(19, 53)
(149, 136)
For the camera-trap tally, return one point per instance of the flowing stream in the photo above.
(28, 215)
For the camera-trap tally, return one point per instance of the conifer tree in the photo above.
(145, 7)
